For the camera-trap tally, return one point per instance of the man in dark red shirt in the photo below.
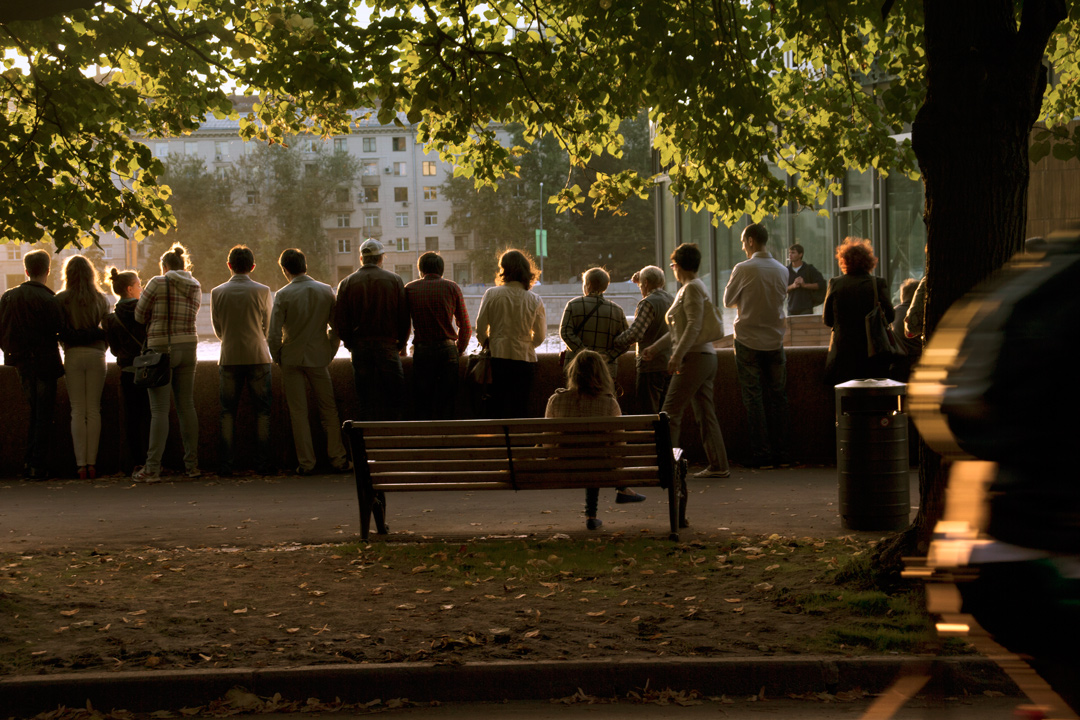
(435, 304)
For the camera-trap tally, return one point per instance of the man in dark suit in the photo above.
(30, 322)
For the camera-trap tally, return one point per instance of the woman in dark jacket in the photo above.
(126, 337)
(850, 297)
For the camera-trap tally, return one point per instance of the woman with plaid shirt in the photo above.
(168, 306)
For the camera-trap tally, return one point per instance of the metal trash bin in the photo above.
(872, 455)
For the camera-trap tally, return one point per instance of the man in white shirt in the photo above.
(758, 289)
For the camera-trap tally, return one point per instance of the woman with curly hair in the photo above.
(83, 307)
(849, 298)
(512, 323)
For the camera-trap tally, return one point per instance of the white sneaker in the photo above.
(712, 473)
(142, 475)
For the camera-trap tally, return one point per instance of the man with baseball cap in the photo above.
(372, 319)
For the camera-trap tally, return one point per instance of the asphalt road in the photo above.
(259, 511)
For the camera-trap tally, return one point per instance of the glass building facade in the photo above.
(888, 211)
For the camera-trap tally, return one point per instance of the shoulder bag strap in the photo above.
(581, 325)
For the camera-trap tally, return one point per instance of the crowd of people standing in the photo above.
(374, 313)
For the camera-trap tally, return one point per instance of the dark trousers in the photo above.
(650, 389)
(41, 394)
(233, 380)
(763, 384)
(435, 379)
(136, 421)
(380, 381)
(511, 385)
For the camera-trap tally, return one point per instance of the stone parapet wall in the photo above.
(812, 414)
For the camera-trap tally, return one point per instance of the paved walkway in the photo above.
(115, 513)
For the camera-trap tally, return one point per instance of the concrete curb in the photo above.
(143, 691)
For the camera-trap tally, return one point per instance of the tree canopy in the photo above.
(812, 87)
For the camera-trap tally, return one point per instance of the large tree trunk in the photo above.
(985, 82)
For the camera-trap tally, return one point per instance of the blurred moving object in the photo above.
(994, 392)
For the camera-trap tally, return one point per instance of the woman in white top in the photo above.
(512, 323)
(692, 364)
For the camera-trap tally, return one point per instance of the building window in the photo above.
(14, 252)
(431, 244)
(371, 218)
(405, 271)
(344, 219)
(401, 194)
(517, 189)
(368, 144)
(431, 218)
(461, 273)
(191, 148)
(431, 193)
(252, 197)
(401, 169)
(221, 150)
(341, 145)
(161, 149)
(371, 167)
(344, 245)
(221, 173)
(399, 144)
(341, 195)
(461, 242)
(429, 167)
(402, 244)
(371, 194)
(401, 219)
(309, 145)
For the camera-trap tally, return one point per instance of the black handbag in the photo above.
(152, 368)
(880, 337)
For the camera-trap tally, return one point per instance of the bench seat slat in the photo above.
(483, 427)
(589, 478)
(598, 461)
(499, 453)
(517, 440)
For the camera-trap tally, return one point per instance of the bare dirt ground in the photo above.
(541, 598)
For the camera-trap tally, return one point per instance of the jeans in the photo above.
(233, 380)
(380, 381)
(511, 385)
(182, 359)
(650, 389)
(40, 392)
(693, 385)
(295, 379)
(763, 384)
(84, 371)
(435, 380)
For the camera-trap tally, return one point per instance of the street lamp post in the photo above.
(541, 227)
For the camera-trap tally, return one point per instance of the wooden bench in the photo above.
(513, 454)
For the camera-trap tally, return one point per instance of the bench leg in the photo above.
(379, 508)
(673, 509)
(680, 472)
(365, 517)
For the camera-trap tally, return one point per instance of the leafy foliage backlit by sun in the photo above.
(813, 88)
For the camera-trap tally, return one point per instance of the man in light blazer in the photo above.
(303, 342)
(240, 310)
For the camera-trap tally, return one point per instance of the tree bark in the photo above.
(985, 83)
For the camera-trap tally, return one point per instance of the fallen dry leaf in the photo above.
(69, 613)
(596, 614)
